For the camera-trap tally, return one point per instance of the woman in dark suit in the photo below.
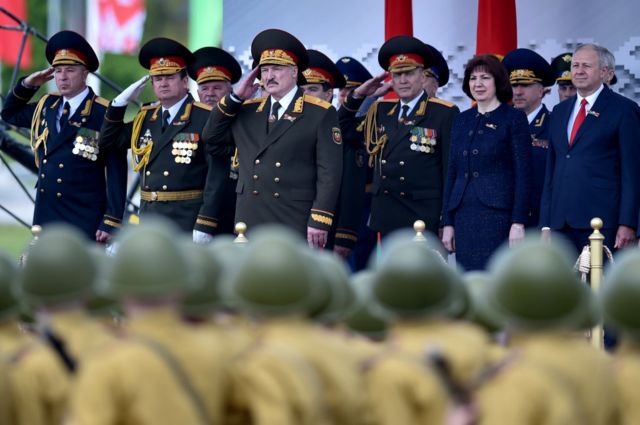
(487, 188)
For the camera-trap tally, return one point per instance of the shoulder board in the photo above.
(442, 102)
(202, 105)
(151, 105)
(318, 102)
(102, 101)
(254, 100)
(387, 100)
(55, 93)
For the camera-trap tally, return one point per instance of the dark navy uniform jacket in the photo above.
(539, 129)
(77, 182)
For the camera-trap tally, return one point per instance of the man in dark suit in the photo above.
(77, 182)
(179, 180)
(407, 140)
(592, 167)
(529, 75)
(289, 144)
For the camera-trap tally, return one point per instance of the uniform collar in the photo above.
(285, 101)
(532, 116)
(75, 101)
(173, 111)
(412, 103)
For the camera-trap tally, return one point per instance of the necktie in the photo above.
(273, 118)
(64, 117)
(582, 114)
(165, 119)
(405, 113)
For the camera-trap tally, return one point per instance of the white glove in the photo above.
(131, 93)
(201, 238)
(111, 249)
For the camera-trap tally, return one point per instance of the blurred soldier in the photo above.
(179, 181)
(157, 355)
(216, 71)
(618, 297)
(77, 183)
(546, 310)
(529, 75)
(437, 75)
(561, 65)
(57, 280)
(407, 140)
(289, 144)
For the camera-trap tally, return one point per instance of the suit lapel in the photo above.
(401, 135)
(592, 115)
(292, 115)
(180, 121)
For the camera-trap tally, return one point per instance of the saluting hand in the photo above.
(38, 78)
(247, 88)
(131, 93)
(371, 86)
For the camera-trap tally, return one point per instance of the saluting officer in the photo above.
(529, 75)
(289, 144)
(179, 181)
(77, 182)
(216, 71)
(407, 139)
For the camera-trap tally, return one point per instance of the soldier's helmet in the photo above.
(337, 296)
(620, 294)
(102, 304)
(9, 306)
(534, 287)
(363, 319)
(274, 277)
(149, 261)
(413, 281)
(59, 268)
(479, 312)
(205, 270)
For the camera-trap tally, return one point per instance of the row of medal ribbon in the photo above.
(422, 140)
(86, 148)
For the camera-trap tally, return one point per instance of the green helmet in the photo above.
(273, 278)
(148, 261)
(535, 287)
(363, 319)
(59, 268)
(478, 283)
(9, 306)
(413, 281)
(205, 270)
(101, 303)
(620, 294)
(332, 274)
(402, 237)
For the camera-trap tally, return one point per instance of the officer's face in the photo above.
(278, 80)
(408, 85)
(70, 79)
(566, 90)
(586, 72)
(316, 90)
(527, 97)
(430, 86)
(212, 91)
(169, 89)
(482, 85)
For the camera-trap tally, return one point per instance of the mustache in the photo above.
(271, 81)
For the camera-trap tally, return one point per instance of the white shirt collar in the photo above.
(532, 116)
(412, 104)
(74, 102)
(591, 99)
(173, 111)
(285, 101)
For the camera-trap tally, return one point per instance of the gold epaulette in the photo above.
(202, 106)
(386, 100)
(149, 106)
(318, 102)
(102, 101)
(254, 100)
(442, 102)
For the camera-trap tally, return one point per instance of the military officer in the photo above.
(216, 71)
(437, 75)
(179, 180)
(289, 144)
(530, 74)
(407, 139)
(77, 182)
(561, 65)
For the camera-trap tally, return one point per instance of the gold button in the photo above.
(386, 192)
(257, 161)
(164, 187)
(278, 165)
(146, 187)
(148, 173)
(277, 180)
(59, 195)
(59, 180)
(166, 173)
(255, 177)
(384, 177)
(255, 192)
(401, 163)
(41, 190)
(42, 175)
(384, 161)
(44, 161)
(401, 179)
(402, 194)
(61, 165)
(154, 196)
(276, 195)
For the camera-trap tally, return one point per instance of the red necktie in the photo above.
(582, 114)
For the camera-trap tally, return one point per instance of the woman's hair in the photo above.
(493, 66)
